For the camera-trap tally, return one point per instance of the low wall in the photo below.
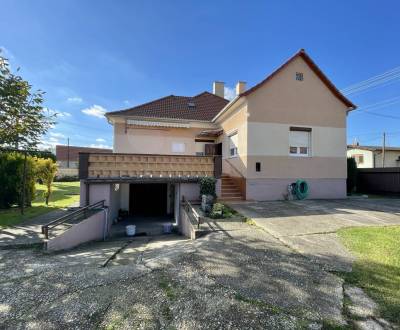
(274, 189)
(90, 229)
(186, 227)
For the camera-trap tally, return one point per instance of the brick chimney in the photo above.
(218, 88)
(240, 87)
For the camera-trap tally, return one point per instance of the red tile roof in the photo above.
(62, 152)
(200, 107)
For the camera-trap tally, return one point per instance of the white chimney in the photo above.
(218, 88)
(240, 87)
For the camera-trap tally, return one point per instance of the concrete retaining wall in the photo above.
(185, 226)
(90, 229)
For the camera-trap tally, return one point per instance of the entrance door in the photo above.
(148, 199)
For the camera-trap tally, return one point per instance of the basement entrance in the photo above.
(148, 199)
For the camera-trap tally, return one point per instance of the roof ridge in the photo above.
(207, 92)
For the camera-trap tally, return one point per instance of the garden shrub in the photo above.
(207, 186)
(352, 173)
(66, 178)
(221, 211)
(11, 176)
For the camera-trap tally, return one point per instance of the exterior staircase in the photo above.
(229, 190)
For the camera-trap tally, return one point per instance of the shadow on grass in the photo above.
(381, 282)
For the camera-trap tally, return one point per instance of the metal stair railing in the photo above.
(81, 212)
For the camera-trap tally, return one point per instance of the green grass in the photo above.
(63, 195)
(377, 269)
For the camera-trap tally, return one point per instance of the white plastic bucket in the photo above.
(130, 230)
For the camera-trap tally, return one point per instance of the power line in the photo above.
(383, 79)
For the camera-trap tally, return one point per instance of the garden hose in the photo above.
(301, 189)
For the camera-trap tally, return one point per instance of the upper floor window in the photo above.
(300, 141)
(233, 145)
(178, 147)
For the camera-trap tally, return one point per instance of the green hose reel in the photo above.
(300, 189)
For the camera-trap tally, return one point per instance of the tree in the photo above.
(23, 120)
(46, 170)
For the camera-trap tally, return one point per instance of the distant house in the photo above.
(371, 156)
(68, 158)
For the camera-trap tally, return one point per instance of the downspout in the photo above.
(105, 229)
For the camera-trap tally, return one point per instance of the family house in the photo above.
(291, 125)
(373, 156)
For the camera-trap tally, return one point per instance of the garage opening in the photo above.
(148, 199)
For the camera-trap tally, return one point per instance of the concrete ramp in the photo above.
(93, 228)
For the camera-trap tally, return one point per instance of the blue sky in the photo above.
(94, 56)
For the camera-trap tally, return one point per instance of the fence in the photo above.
(379, 180)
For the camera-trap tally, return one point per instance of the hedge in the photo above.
(11, 176)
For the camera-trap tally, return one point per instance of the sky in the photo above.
(96, 56)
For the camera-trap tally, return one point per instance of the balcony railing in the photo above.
(116, 165)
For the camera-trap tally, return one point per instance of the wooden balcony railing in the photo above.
(116, 165)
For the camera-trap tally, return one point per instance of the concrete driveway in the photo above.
(310, 226)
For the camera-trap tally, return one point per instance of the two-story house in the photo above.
(291, 125)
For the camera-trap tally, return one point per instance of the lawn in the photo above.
(377, 269)
(64, 194)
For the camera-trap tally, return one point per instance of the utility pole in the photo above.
(383, 149)
(67, 152)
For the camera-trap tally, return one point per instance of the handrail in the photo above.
(70, 216)
(191, 212)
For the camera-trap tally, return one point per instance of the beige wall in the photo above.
(235, 121)
(286, 100)
(154, 141)
(368, 157)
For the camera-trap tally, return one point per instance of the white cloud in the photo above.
(95, 111)
(6, 53)
(102, 146)
(127, 102)
(51, 112)
(100, 140)
(57, 135)
(75, 99)
(230, 93)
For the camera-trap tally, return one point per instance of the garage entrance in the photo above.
(148, 199)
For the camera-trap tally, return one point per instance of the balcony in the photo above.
(142, 167)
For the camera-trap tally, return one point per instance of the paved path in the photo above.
(29, 231)
(310, 226)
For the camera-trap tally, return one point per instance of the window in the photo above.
(359, 158)
(233, 143)
(300, 142)
(178, 147)
(299, 76)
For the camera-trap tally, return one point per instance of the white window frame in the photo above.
(308, 146)
(235, 148)
(178, 147)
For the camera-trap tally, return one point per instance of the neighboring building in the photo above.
(371, 156)
(68, 158)
(291, 125)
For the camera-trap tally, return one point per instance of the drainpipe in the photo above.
(105, 223)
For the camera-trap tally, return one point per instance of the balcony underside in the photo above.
(145, 168)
